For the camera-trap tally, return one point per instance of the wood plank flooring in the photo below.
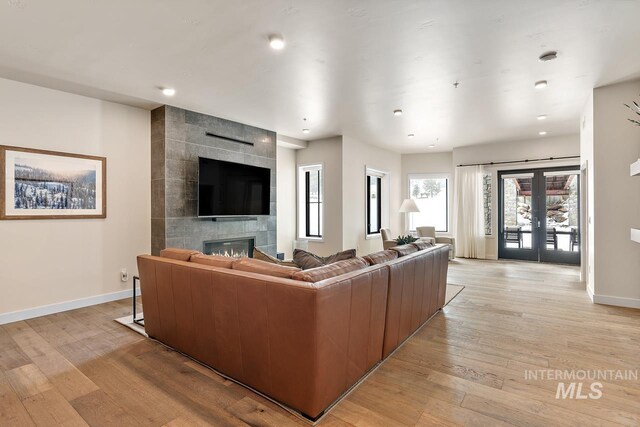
(465, 367)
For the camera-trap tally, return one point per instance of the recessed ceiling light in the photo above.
(432, 146)
(397, 112)
(276, 41)
(541, 84)
(411, 135)
(167, 91)
(542, 117)
(542, 133)
(548, 56)
(305, 131)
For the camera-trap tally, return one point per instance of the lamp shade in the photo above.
(409, 205)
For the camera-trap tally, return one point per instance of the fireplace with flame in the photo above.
(230, 247)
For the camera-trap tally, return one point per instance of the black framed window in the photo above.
(313, 203)
(374, 204)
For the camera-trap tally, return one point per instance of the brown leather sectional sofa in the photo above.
(303, 344)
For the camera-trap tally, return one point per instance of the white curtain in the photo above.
(469, 212)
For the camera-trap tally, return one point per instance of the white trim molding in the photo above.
(590, 293)
(30, 313)
(617, 301)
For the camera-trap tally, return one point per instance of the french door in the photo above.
(539, 214)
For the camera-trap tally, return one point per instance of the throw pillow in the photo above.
(306, 260)
(403, 250)
(381, 257)
(262, 267)
(263, 256)
(213, 260)
(178, 254)
(328, 271)
(340, 256)
(422, 244)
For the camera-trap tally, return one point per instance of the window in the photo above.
(374, 204)
(311, 198)
(377, 196)
(431, 194)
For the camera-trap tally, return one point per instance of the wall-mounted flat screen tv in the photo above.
(232, 189)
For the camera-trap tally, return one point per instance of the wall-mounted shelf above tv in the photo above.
(227, 138)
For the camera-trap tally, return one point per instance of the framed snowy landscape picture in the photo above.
(39, 184)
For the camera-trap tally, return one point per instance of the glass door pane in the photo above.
(517, 238)
(561, 210)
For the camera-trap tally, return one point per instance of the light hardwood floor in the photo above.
(465, 367)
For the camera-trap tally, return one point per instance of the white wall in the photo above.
(328, 152)
(52, 261)
(356, 157)
(616, 201)
(540, 147)
(286, 199)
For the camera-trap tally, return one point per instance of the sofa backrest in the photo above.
(179, 254)
(303, 344)
(417, 287)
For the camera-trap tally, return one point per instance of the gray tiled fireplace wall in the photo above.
(178, 138)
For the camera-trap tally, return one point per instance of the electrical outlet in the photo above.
(124, 275)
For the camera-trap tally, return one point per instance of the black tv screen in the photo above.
(232, 189)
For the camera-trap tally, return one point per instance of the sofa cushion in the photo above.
(422, 244)
(263, 256)
(306, 260)
(178, 254)
(381, 257)
(262, 267)
(213, 260)
(403, 250)
(330, 270)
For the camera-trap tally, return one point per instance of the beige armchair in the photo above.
(430, 232)
(387, 240)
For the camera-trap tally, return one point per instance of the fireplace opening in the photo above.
(230, 247)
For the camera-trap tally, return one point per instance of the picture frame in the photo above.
(43, 184)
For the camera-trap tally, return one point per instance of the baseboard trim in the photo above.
(30, 313)
(617, 301)
(590, 293)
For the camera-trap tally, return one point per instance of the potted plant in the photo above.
(404, 240)
(635, 109)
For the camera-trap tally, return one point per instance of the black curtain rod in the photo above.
(519, 161)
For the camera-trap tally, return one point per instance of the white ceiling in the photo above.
(346, 66)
